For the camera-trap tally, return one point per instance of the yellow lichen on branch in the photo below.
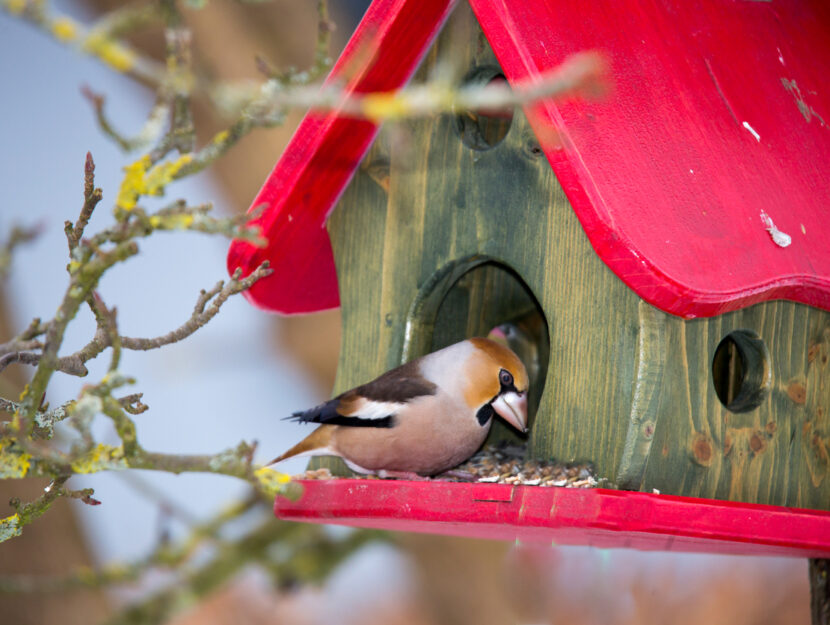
(115, 54)
(143, 178)
(100, 458)
(220, 137)
(391, 105)
(13, 464)
(10, 527)
(272, 482)
(172, 222)
(65, 29)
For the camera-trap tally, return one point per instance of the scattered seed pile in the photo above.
(505, 464)
(314, 474)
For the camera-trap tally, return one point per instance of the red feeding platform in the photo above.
(716, 128)
(564, 516)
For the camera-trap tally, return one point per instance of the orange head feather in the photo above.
(485, 365)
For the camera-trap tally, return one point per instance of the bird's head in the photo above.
(497, 382)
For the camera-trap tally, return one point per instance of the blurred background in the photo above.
(238, 376)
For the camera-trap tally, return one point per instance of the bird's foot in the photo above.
(402, 475)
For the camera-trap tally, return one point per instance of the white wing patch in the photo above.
(372, 410)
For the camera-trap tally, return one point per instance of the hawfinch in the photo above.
(421, 418)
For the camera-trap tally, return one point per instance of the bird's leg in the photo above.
(402, 475)
(458, 474)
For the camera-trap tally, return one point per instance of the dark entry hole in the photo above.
(483, 129)
(491, 300)
(740, 371)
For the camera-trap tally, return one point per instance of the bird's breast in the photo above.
(431, 434)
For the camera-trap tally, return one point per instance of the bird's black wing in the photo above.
(374, 404)
(331, 413)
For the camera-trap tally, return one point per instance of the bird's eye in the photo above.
(505, 378)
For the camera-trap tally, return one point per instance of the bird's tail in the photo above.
(315, 444)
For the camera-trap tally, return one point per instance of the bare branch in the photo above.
(201, 316)
(105, 336)
(44, 421)
(163, 556)
(26, 513)
(26, 358)
(150, 131)
(322, 61)
(25, 341)
(133, 404)
(182, 134)
(99, 40)
(92, 196)
(82, 282)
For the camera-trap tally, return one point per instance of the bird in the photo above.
(422, 418)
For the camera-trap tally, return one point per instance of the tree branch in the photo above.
(92, 196)
(149, 133)
(200, 317)
(75, 364)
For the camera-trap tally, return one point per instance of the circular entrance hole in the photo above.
(483, 129)
(740, 371)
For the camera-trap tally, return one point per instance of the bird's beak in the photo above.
(512, 407)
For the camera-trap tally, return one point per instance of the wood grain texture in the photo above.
(449, 204)
(649, 382)
(776, 453)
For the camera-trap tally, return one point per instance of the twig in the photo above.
(321, 555)
(150, 131)
(26, 340)
(163, 557)
(92, 196)
(44, 421)
(182, 134)
(322, 61)
(99, 40)
(582, 74)
(82, 282)
(75, 364)
(133, 404)
(26, 358)
(201, 316)
(28, 512)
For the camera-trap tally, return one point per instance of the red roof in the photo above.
(716, 128)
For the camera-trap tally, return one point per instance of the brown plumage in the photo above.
(423, 417)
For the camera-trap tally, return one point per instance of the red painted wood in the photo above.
(664, 175)
(565, 516)
(322, 156)
(667, 181)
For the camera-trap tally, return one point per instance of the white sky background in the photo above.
(220, 386)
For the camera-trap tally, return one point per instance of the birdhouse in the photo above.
(658, 257)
